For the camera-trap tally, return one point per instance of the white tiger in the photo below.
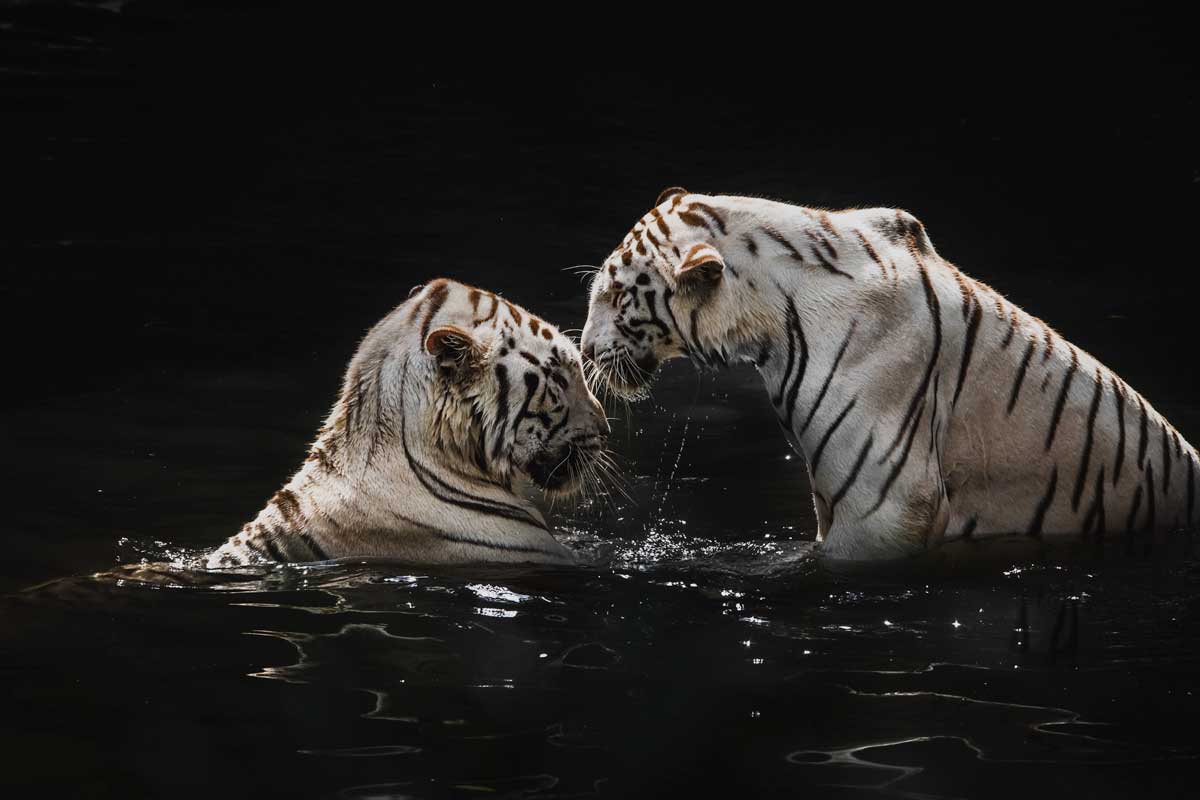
(447, 399)
(926, 405)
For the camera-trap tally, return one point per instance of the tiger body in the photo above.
(927, 406)
(450, 403)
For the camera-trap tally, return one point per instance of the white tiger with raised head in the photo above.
(449, 399)
(926, 405)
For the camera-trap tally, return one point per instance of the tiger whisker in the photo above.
(565, 459)
(585, 272)
(615, 481)
(611, 466)
(602, 488)
(591, 485)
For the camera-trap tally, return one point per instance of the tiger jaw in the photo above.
(560, 474)
(628, 378)
(632, 392)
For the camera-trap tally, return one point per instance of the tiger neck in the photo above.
(775, 255)
(810, 317)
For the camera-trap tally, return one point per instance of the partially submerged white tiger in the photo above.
(927, 406)
(449, 399)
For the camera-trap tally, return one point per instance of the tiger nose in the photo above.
(589, 351)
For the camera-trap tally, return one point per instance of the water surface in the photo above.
(739, 668)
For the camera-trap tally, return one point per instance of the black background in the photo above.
(208, 205)
(205, 207)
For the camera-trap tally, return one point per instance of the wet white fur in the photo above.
(358, 494)
(974, 469)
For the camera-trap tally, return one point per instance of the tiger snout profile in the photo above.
(926, 405)
(450, 401)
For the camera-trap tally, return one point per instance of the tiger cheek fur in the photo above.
(635, 306)
(927, 406)
(554, 416)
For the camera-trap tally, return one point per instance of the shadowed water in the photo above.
(671, 665)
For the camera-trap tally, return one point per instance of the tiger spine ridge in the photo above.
(448, 401)
(927, 406)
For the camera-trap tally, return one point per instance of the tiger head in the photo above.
(657, 296)
(527, 406)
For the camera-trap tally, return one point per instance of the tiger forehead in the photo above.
(551, 358)
(657, 236)
(655, 240)
(619, 275)
(534, 333)
(658, 225)
(523, 324)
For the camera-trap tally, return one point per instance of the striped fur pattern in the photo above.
(451, 400)
(927, 406)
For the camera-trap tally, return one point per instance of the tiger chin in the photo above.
(927, 406)
(453, 404)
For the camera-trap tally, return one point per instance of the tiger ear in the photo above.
(701, 270)
(454, 349)
(668, 193)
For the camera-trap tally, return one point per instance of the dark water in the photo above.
(213, 205)
(707, 668)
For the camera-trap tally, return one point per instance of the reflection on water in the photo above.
(737, 667)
